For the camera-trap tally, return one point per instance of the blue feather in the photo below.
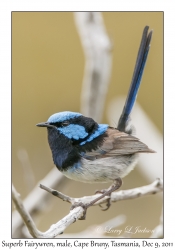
(136, 79)
(100, 130)
(73, 131)
(63, 116)
(135, 86)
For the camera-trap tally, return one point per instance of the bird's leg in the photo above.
(108, 201)
(106, 192)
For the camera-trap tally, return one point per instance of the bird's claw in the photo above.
(108, 204)
(108, 201)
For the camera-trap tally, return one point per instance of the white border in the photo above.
(5, 92)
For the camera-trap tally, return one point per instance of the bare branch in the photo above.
(54, 179)
(98, 62)
(99, 231)
(55, 229)
(77, 212)
(153, 188)
(56, 193)
(24, 214)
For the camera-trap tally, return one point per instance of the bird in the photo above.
(86, 151)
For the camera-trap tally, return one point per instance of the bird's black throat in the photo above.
(66, 152)
(63, 152)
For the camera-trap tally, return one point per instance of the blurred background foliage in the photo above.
(47, 72)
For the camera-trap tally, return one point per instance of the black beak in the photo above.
(45, 124)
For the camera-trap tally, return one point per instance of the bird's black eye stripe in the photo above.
(60, 124)
(64, 124)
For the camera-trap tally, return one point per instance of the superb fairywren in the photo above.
(86, 151)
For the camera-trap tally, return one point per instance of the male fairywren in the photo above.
(86, 151)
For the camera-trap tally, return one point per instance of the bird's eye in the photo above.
(64, 124)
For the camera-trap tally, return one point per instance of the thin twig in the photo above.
(56, 193)
(153, 188)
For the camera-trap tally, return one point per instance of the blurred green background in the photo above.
(47, 71)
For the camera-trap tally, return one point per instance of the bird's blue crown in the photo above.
(63, 116)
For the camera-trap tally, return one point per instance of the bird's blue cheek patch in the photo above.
(100, 130)
(73, 131)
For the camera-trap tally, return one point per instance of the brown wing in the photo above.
(119, 143)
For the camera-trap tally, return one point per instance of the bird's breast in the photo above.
(101, 170)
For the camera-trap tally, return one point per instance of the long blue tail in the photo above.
(136, 79)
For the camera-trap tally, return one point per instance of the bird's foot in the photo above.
(108, 201)
(107, 192)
